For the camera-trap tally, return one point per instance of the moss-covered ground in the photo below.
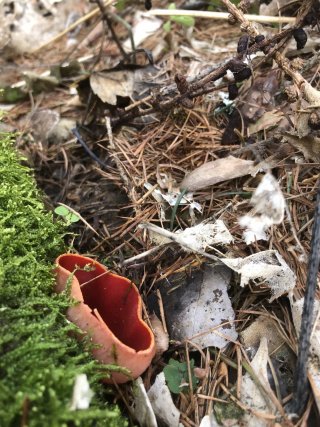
(39, 358)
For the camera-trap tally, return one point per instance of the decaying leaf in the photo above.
(262, 327)
(108, 85)
(269, 119)
(268, 209)
(160, 336)
(195, 239)
(303, 137)
(314, 359)
(314, 378)
(251, 394)
(141, 408)
(144, 26)
(296, 308)
(267, 266)
(209, 421)
(217, 171)
(198, 305)
(162, 404)
(309, 145)
(281, 355)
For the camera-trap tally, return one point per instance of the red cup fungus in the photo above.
(109, 310)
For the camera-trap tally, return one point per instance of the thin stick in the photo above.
(300, 395)
(221, 15)
(142, 255)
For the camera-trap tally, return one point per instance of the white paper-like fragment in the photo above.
(203, 305)
(82, 394)
(268, 266)
(195, 239)
(162, 404)
(250, 393)
(268, 209)
(199, 237)
(142, 409)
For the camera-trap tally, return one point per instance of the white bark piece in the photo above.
(251, 394)
(142, 409)
(162, 404)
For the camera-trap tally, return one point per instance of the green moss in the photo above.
(39, 357)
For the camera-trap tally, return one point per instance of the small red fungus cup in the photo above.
(109, 310)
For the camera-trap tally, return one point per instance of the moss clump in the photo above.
(39, 359)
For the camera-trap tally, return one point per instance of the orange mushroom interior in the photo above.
(115, 298)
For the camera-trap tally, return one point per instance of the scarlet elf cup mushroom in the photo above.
(109, 310)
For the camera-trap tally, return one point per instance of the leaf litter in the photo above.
(224, 183)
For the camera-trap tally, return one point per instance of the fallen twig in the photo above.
(221, 15)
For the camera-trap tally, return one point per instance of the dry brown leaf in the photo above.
(108, 85)
(217, 171)
(161, 337)
(309, 145)
(269, 119)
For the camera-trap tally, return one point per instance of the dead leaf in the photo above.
(309, 145)
(314, 378)
(209, 421)
(251, 394)
(108, 85)
(262, 327)
(195, 239)
(141, 408)
(268, 120)
(162, 404)
(198, 305)
(267, 266)
(160, 336)
(217, 171)
(144, 26)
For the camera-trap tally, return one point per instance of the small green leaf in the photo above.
(62, 211)
(186, 21)
(167, 26)
(73, 217)
(172, 6)
(68, 216)
(176, 374)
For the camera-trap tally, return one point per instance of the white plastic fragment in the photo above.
(142, 409)
(162, 404)
(82, 394)
(250, 392)
(268, 209)
(268, 266)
